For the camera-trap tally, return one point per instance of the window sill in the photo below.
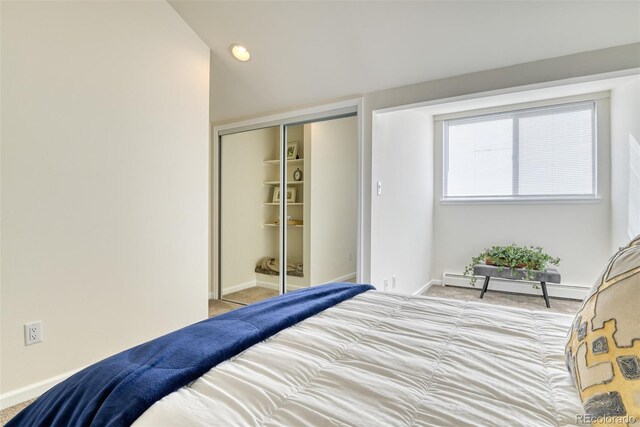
(520, 201)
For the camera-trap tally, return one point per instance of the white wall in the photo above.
(543, 73)
(244, 238)
(104, 181)
(625, 126)
(401, 218)
(577, 233)
(334, 199)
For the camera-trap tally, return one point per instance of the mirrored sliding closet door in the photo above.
(250, 215)
(322, 208)
(288, 202)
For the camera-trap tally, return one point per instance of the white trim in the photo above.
(362, 191)
(340, 279)
(32, 391)
(239, 287)
(518, 200)
(286, 116)
(291, 287)
(425, 288)
(267, 285)
(274, 286)
(247, 285)
(259, 284)
(214, 217)
(558, 290)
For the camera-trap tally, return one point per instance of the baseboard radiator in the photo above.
(558, 290)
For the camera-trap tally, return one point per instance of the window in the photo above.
(536, 153)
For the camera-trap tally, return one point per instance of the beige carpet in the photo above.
(533, 302)
(217, 306)
(251, 295)
(7, 414)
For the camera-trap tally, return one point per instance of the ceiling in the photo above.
(307, 52)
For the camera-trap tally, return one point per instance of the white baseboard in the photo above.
(239, 287)
(268, 285)
(291, 287)
(274, 285)
(32, 391)
(247, 285)
(423, 290)
(558, 290)
(340, 279)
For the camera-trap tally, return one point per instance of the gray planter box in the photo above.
(488, 271)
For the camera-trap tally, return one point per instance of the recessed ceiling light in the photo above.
(240, 52)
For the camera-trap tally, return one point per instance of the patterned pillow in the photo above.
(603, 347)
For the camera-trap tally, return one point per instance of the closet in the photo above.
(287, 192)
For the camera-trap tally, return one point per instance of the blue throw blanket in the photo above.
(117, 390)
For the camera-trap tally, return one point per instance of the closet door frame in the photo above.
(326, 112)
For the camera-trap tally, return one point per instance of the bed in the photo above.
(381, 359)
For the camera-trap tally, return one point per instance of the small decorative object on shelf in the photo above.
(276, 195)
(290, 221)
(292, 150)
(291, 195)
(297, 175)
(530, 259)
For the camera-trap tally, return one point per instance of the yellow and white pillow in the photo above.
(603, 347)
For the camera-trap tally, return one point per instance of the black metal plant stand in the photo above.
(488, 271)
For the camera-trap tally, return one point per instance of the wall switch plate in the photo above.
(386, 284)
(32, 332)
(394, 282)
(379, 188)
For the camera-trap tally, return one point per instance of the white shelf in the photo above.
(278, 204)
(277, 225)
(289, 162)
(288, 183)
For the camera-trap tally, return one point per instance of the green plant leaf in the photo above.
(529, 258)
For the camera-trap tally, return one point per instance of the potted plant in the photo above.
(530, 259)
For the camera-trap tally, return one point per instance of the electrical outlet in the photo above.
(394, 282)
(32, 332)
(386, 284)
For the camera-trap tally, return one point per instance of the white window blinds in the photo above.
(534, 153)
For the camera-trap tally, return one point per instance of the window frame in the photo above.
(515, 114)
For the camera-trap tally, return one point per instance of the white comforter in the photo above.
(381, 359)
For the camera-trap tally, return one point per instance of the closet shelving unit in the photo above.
(298, 236)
